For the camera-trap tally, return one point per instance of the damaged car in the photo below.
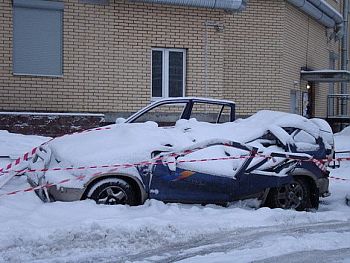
(277, 158)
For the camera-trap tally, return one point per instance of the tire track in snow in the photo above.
(240, 239)
(109, 245)
(319, 256)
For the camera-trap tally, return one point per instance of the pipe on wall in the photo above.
(323, 13)
(227, 5)
(344, 57)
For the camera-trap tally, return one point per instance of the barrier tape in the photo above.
(339, 178)
(32, 152)
(128, 165)
(26, 156)
(319, 162)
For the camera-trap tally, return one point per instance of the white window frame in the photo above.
(165, 71)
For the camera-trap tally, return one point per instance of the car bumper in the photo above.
(54, 193)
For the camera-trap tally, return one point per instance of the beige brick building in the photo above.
(253, 57)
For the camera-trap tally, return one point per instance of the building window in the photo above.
(168, 72)
(37, 37)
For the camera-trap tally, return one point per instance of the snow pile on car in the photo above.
(249, 129)
(135, 142)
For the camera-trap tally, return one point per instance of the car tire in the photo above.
(112, 191)
(295, 195)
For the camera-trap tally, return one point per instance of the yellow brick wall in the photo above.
(254, 61)
(253, 43)
(107, 51)
(306, 44)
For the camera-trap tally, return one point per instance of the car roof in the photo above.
(198, 99)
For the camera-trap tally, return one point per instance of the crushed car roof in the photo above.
(133, 142)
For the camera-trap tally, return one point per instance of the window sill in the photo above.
(37, 75)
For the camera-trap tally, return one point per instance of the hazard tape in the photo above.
(26, 156)
(32, 152)
(320, 163)
(339, 178)
(115, 167)
(129, 165)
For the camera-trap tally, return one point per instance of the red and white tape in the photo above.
(12, 166)
(118, 166)
(319, 163)
(26, 156)
(339, 178)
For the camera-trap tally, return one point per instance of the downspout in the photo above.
(227, 5)
(322, 12)
(344, 55)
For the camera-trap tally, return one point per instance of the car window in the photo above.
(213, 113)
(164, 115)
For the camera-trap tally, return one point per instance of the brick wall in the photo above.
(107, 52)
(253, 57)
(306, 44)
(254, 61)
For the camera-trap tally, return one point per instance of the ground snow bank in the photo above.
(82, 231)
(73, 232)
(14, 145)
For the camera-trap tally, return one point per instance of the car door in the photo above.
(206, 175)
(189, 186)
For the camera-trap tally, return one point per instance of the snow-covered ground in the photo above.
(31, 231)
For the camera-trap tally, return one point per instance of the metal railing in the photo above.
(338, 106)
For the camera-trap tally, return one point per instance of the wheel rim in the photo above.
(112, 195)
(290, 196)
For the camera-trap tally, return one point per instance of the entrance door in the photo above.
(309, 101)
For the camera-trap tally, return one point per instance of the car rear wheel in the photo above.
(295, 195)
(112, 191)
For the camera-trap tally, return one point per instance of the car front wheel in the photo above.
(112, 191)
(295, 195)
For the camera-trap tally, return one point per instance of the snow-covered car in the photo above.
(270, 156)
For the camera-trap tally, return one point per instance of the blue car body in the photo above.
(190, 186)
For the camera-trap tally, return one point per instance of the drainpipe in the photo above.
(332, 13)
(321, 11)
(344, 55)
(227, 5)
